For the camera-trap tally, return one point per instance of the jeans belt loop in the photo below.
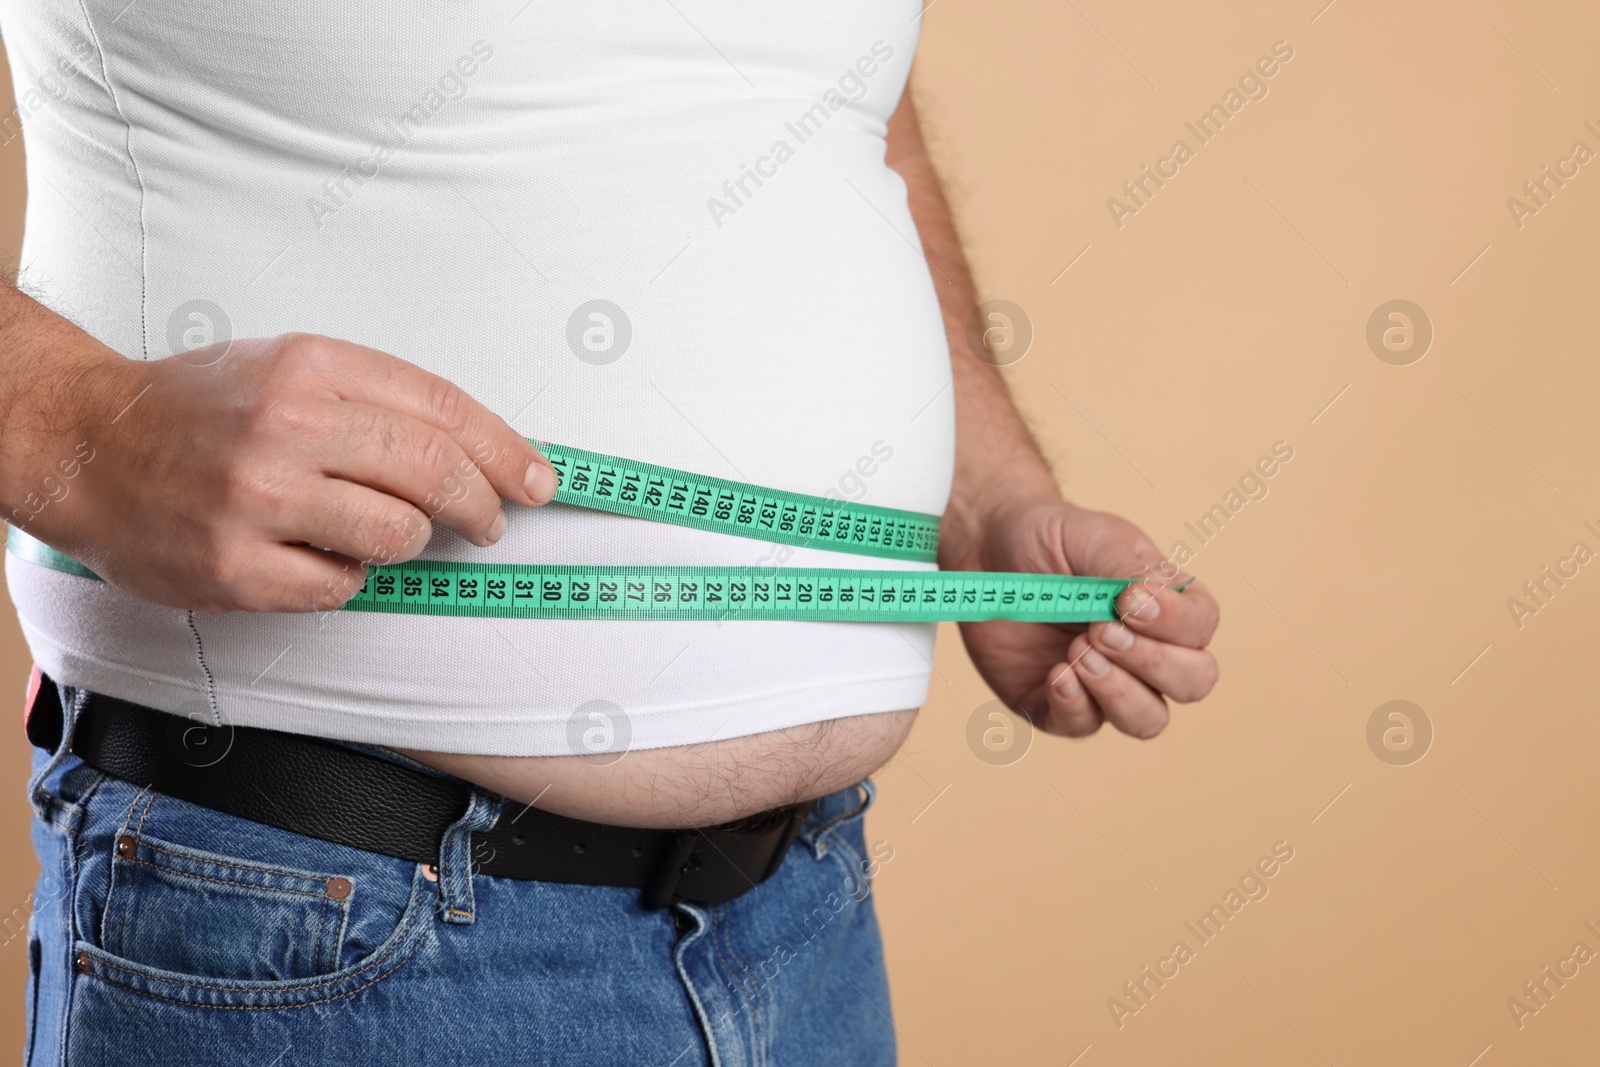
(456, 859)
(52, 705)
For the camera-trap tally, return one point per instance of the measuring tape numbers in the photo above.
(646, 491)
(663, 494)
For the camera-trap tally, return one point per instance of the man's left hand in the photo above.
(1069, 679)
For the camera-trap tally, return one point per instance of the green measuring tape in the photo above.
(664, 494)
(646, 491)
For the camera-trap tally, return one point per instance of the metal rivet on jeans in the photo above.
(82, 963)
(339, 888)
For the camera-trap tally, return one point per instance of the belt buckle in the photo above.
(678, 859)
(663, 886)
(797, 818)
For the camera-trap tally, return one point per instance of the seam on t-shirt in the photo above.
(200, 658)
(138, 177)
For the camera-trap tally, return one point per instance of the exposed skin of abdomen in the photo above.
(692, 785)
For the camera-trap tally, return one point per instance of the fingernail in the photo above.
(497, 527)
(1095, 663)
(1117, 637)
(1066, 683)
(1142, 606)
(541, 483)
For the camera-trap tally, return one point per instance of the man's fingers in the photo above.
(337, 579)
(280, 578)
(362, 524)
(408, 459)
(1061, 706)
(1177, 671)
(1125, 701)
(516, 469)
(1153, 608)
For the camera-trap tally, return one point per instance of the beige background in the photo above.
(1224, 316)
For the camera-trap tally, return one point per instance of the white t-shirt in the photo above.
(457, 184)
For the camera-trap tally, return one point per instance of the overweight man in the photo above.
(301, 284)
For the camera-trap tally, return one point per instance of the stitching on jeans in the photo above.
(680, 966)
(236, 866)
(223, 881)
(128, 897)
(731, 970)
(148, 804)
(855, 869)
(80, 809)
(128, 817)
(250, 1007)
(731, 961)
(122, 905)
(341, 926)
(246, 989)
(827, 829)
(113, 902)
(400, 938)
(758, 1015)
(75, 859)
(322, 922)
(715, 947)
(128, 890)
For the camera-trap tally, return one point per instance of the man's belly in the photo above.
(601, 231)
(692, 785)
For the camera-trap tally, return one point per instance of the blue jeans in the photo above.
(166, 933)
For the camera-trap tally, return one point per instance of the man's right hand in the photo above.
(261, 475)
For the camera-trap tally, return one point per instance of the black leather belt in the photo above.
(323, 790)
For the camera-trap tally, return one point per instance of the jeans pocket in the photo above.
(276, 920)
(180, 909)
